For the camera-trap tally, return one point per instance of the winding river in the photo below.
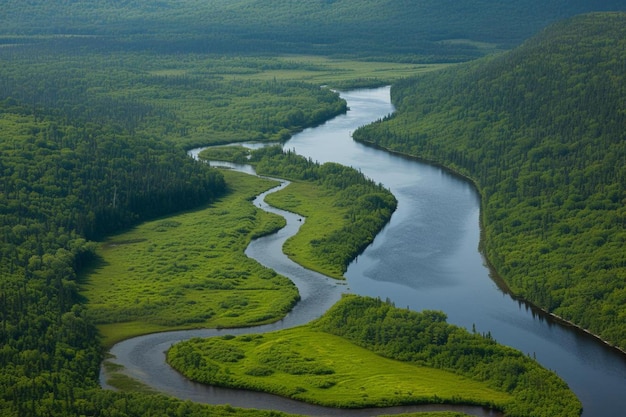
(426, 258)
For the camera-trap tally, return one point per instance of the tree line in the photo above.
(424, 31)
(427, 339)
(194, 101)
(265, 362)
(61, 185)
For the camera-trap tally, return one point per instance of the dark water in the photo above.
(426, 258)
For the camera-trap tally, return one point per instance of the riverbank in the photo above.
(143, 359)
(494, 275)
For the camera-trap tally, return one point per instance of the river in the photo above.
(426, 258)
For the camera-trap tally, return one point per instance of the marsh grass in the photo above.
(123, 382)
(321, 368)
(189, 270)
(322, 217)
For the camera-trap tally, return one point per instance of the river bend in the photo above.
(426, 258)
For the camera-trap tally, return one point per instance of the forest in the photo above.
(92, 146)
(422, 30)
(196, 101)
(99, 102)
(540, 130)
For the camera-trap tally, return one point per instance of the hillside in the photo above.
(541, 131)
(424, 30)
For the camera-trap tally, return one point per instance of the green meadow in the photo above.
(189, 270)
(324, 369)
(322, 217)
(341, 73)
(344, 210)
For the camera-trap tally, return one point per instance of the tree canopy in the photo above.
(424, 30)
(540, 130)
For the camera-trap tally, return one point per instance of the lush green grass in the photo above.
(237, 154)
(189, 270)
(366, 352)
(346, 209)
(320, 368)
(322, 217)
(343, 209)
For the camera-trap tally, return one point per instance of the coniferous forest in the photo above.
(541, 132)
(99, 102)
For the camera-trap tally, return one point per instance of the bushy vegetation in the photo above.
(320, 368)
(541, 131)
(62, 183)
(343, 359)
(426, 339)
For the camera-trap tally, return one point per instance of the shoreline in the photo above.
(494, 275)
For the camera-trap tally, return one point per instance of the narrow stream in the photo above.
(143, 357)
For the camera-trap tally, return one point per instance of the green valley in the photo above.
(108, 229)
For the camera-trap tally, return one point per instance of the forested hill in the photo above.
(542, 132)
(426, 30)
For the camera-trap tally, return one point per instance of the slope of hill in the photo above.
(541, 131)
(427, 30)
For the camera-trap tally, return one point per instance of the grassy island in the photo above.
(367, 353)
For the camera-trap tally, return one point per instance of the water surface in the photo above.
(426, 258)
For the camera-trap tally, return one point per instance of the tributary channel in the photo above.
(427, 257)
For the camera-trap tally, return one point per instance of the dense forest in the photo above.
(93, 145)
(424, 30)
(100, 100)
(192, 101)
(540, 130)
(61, 185)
